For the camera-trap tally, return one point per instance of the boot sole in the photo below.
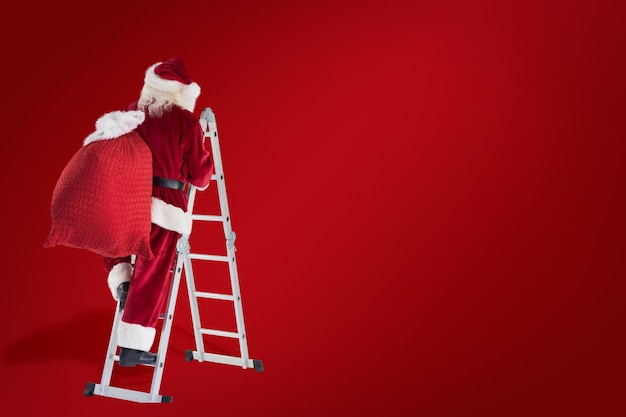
(133, 364)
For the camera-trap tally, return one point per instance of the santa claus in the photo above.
(123, 194)
(176, 141)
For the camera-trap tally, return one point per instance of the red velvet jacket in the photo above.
(176, 140)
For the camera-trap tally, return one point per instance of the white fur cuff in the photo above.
(118, 274)
(135, 336)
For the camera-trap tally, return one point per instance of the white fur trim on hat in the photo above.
(162, 84)
(135, 336)
(121, 272)
(115, 124)
(185, 95)
(170, 217)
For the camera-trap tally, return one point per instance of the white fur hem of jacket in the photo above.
(170, 217)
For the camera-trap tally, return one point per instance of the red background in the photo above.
(429, 201)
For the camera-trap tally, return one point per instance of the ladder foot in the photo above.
(166, 399)
(89, 390)
(188, 355)
(258, 365)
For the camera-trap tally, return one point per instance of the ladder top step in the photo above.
(218, 258)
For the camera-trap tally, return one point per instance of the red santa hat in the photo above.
(171, 76)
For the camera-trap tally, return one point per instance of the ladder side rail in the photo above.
(193, 304)
(243, 344)
(191, 197)
(109, 362)
(230, 246)
(189, 276)
(166, 329)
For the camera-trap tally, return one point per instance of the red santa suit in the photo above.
(176, 141)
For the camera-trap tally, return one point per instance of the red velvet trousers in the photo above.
(149, 283)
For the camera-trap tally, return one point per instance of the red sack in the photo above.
(102, 199)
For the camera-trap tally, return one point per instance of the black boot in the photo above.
(122, 293)
(131, 357)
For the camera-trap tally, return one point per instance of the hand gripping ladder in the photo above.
(183, 261)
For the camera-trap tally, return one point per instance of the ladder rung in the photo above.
(225, 359)
(130, 395)
(221, 333)
(207, 218)
(220, 258)
(214, 177)
(214, 295)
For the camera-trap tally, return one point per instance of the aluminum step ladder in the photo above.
(183, 262)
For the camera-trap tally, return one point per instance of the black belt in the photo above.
(168, 183)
